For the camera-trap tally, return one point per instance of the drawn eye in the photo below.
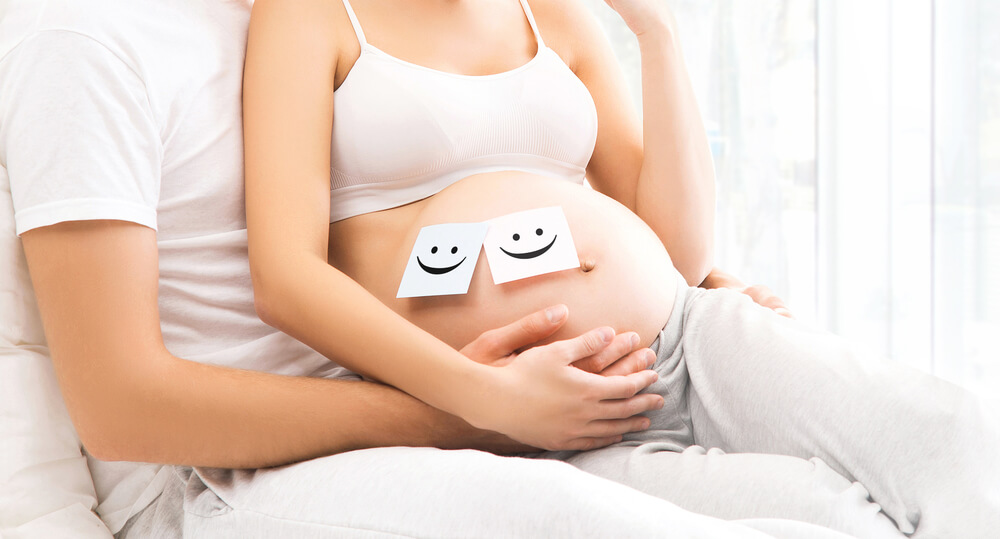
(434, 249)
(454, 250)
(517, 237)
(538, 232)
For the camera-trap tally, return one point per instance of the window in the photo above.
(857, 153)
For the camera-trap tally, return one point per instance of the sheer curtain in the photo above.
(857, 153)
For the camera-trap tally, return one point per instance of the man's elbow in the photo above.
(104, 438)
(118, 421)
(101, 448)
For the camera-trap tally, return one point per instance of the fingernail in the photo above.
(645, 424)
(607, 334)
(660, 406)
(650, 357)
(556, 313)
(635, 340)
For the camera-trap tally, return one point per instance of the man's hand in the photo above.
(761, 294)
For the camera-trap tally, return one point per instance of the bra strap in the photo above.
(357, 25)
(531, 21)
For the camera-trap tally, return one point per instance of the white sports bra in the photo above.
(403, 132)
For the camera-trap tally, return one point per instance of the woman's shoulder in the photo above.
(294, 8)
(566, 26)
(320, 28)
(558, 16)
(310, 19)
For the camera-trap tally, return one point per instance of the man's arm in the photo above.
(130, 399)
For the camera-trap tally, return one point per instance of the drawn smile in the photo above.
(439, 271)
(531, 254)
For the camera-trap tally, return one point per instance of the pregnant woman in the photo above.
(368, 120)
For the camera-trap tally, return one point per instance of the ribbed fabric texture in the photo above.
(403, 132)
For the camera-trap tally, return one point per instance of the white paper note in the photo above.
(443, 260)
(529, 243)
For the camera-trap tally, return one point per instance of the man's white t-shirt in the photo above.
(131, 110)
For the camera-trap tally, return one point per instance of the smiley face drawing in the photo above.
(530, 254)
(436, 270)
(443, 260)
(529, 243)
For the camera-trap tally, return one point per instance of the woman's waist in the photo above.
(625, 278)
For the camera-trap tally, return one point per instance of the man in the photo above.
(120, 137)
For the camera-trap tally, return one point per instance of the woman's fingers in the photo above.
(583, 346)
(638, 360)
(620, 347)
(763, 295)
(501, 342)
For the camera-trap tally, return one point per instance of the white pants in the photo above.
(422, 492)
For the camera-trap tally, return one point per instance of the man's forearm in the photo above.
(203, 415)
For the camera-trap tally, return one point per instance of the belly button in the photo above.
(587, 265)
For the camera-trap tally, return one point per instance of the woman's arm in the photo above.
(660, 167)
(538, 398)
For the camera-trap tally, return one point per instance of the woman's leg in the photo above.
(422, 492)
(663, 461)
(927, 451)
(742, 485)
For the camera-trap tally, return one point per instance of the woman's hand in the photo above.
(498, 347)
(642, 16)
(541, 399)
(761, 294)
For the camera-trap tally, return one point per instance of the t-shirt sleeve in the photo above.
(77, 134)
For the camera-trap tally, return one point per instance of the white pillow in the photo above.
(45, 485)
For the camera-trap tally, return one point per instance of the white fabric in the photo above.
(402, 132)
(399, 492)
(127, 110)
(45, 486)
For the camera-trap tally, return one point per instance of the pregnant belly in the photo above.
(626, 279)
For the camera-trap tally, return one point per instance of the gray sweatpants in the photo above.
(802, 427)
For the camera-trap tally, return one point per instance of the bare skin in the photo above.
(130, 399)
(299, 52)
(625, 279)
